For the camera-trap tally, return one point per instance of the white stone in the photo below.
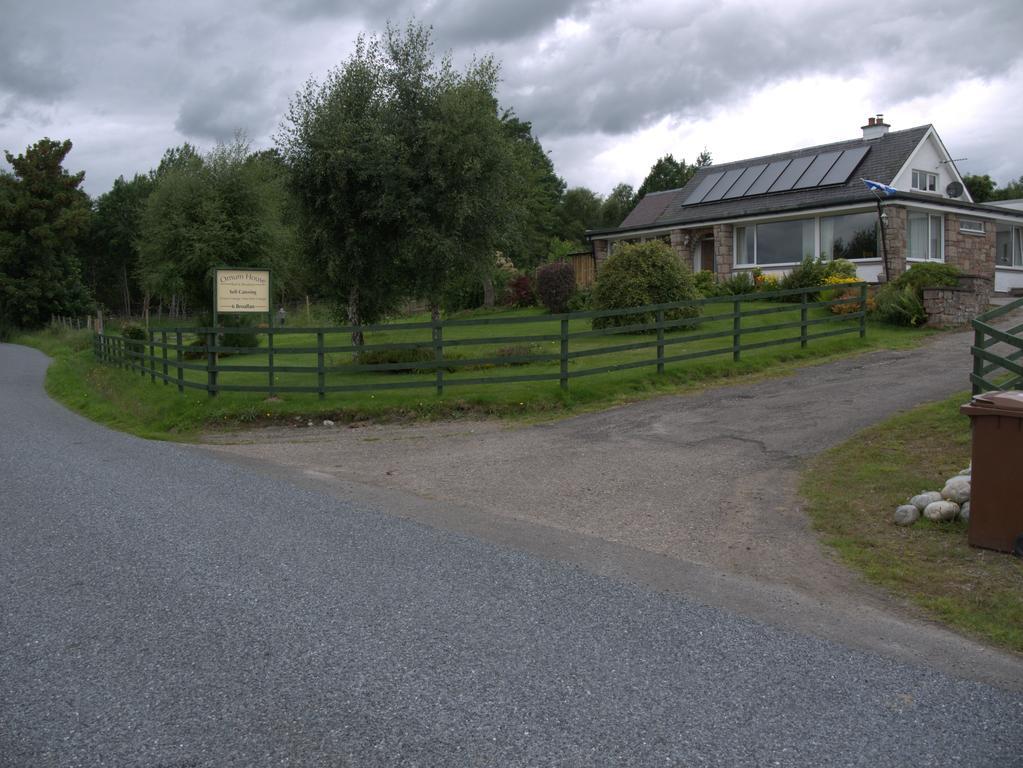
(941, 511)
(964, 512)
(328, 423)
(968, 471)
(957, 490)
(907, 514)
(922, 500)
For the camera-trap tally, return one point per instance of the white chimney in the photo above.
(875, 128)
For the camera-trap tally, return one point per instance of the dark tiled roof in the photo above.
(649, 208)
(886, 157)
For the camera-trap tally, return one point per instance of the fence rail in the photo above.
(194, 357)
(997, 353)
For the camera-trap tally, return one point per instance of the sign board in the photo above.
(243, 290)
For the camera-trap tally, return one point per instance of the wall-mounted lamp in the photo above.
(884, 219)
(686, 240)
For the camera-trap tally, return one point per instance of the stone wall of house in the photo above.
(974, 254)
(897, 238)
(723, 246)
(682, 245)
(947, 307)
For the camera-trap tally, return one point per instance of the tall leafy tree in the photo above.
(617, 205)
(110, 260)
(217, 210)
(536, 194)
(403, 167)
(982, 188)
(669, 173)
(43, 215)
(580, 209)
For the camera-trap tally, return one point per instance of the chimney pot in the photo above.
(870, 121)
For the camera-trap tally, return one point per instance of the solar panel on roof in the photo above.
(792, 173)
(818, 168)
(768, 177)
(703, 188)
(845, 165)
(719, 189)
(749, 175)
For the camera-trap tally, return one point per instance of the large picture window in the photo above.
(776, 242)
(853, 236)
(926, 237)
(1009, 246)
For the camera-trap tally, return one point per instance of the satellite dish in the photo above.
(955, 189)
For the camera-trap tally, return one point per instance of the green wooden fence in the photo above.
(996, 353)
(197, 358)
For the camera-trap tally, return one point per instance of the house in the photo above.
(772, 212)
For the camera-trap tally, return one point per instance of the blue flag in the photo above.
(877, 186)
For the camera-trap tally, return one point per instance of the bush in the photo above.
(841, 268)
(928, 275)
(899, 305)
(739, 283)
(581, 300)
(705, 283)
(521, 292)
(405, 355)
(555, 284)
(809, 274)
(133, 331)
(462, 294)
(638, 274)
(238, 338)
(518, 350)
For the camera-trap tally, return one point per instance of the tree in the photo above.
(110, 260)
(669, 173)
(206, 212)
(536, 193)
(43, 214)
(617, 205)
(981, 188)
(580, 210)
(403, 167)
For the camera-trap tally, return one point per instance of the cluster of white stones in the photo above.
(953, 502)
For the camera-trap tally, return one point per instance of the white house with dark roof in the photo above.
(772, 212)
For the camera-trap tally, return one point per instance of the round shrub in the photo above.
(133, 331)
(928, 275)
(840, 268)
(639, 274)
(899, 306)
(809, 274)
(521, 292)
(555, 284)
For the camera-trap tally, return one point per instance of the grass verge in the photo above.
(852, 491)
(130, 402)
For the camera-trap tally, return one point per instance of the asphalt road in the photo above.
(163, 608)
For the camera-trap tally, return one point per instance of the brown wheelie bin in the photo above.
(996, 486)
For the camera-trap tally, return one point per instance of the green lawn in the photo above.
(852, 491)
(127, 401)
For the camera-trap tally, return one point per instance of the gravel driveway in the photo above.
(694, 493)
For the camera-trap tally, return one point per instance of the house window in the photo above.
(1009, 246)
(973, 226)
(928, 182)
(852, 236)
(776, 242)
(926, 238)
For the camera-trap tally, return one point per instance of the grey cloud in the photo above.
(236, 101)
(628, 73)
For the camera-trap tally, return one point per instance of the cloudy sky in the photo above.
(609, 85)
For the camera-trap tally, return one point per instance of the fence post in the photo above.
(270, 358)
(163, 340)
(178, 355)
(863, 310)
(152, 356)
(736, 330)
(802, 319)
(438, 353)
(564, 353)
(211, 362)
(978, 363)
(660, 341)
(320, 373)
